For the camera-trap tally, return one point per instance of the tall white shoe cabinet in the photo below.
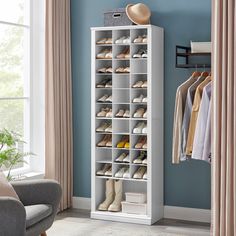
(151, 70)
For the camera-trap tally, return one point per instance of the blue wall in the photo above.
(187, 184)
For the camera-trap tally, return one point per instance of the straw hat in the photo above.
(138, 13)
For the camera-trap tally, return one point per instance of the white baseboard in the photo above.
(171, 212)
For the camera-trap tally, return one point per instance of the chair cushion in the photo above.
(6, 190)
(36, 213)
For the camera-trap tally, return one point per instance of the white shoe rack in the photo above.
(150, 69)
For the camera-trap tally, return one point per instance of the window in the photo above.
(21, 72)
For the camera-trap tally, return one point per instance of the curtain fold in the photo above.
(58, 90)
(224, 118)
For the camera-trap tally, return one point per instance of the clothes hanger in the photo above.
(196, 73)
(204, 73)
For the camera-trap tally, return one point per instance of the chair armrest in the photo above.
(12, 217)
(43, 191)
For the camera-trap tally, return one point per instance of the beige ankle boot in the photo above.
(110, 194)
(116, 204)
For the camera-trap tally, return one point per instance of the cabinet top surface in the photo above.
(125, 27)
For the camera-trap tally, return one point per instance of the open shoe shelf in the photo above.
(148, 69)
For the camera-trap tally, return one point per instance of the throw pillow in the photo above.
(6, 189)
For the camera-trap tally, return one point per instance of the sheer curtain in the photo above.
(59, 97)
(224, 118)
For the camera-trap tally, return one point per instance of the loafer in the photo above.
(127, 145)
(145, 175)
(140, 158)
(138, 128)
(139, 113)
(108, 41)
(138, 99)
(140, 172)
(109, 113)
(102, 127)
(103, 83)
(102, 171)
(103, 98)
(120, 40)
(109, 142)
(120, 172)
(127, 174)
(101, 41)
(127, 159)
(109, 70)
(127, 69)
(138, 84)
(144, 162)
(120, 113)
(108, 172)
(145, 114)
(144, 100)
(103, 112)
(141, 142)
(108, 55)
(126, 114)
(109, 129)
(144, 130)
(102, 54)
(139, 39)
(144, 85)
(109, 99)
(121, 157)
(122, 142)
(104, 141)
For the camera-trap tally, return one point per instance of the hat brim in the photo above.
(133, 19)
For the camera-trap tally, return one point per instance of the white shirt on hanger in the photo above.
(199, 137)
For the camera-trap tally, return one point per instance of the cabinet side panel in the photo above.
(157, 121)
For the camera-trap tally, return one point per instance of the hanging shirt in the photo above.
(199, 137)
(178, 117)
(207, 142)
(194, 115)
(187, 115)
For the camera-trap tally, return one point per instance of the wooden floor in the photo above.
(78, 223)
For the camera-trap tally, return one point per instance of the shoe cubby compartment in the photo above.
(117, 167)
(134, 123)
(121, 96)
(101, 106)
(118, 49)
(134, 139)
(134, 108)
(104, 156)
(138, 66)
(102, 34)
(116, 138)
(145, 68)
(136, 94)
(120, 127)
(134, 169)
(134, 78)
(120, 64)
(120, 82)
(101, 78)
(117, 107)
(133, 155)
(117, 153)
(138, 32)
(117, 34)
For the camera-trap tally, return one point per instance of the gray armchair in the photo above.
(35, 213)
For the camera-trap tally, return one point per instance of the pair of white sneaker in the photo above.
(123, 40)
(123, 158)
(140, 98)
(140, 128)
(123, 172)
